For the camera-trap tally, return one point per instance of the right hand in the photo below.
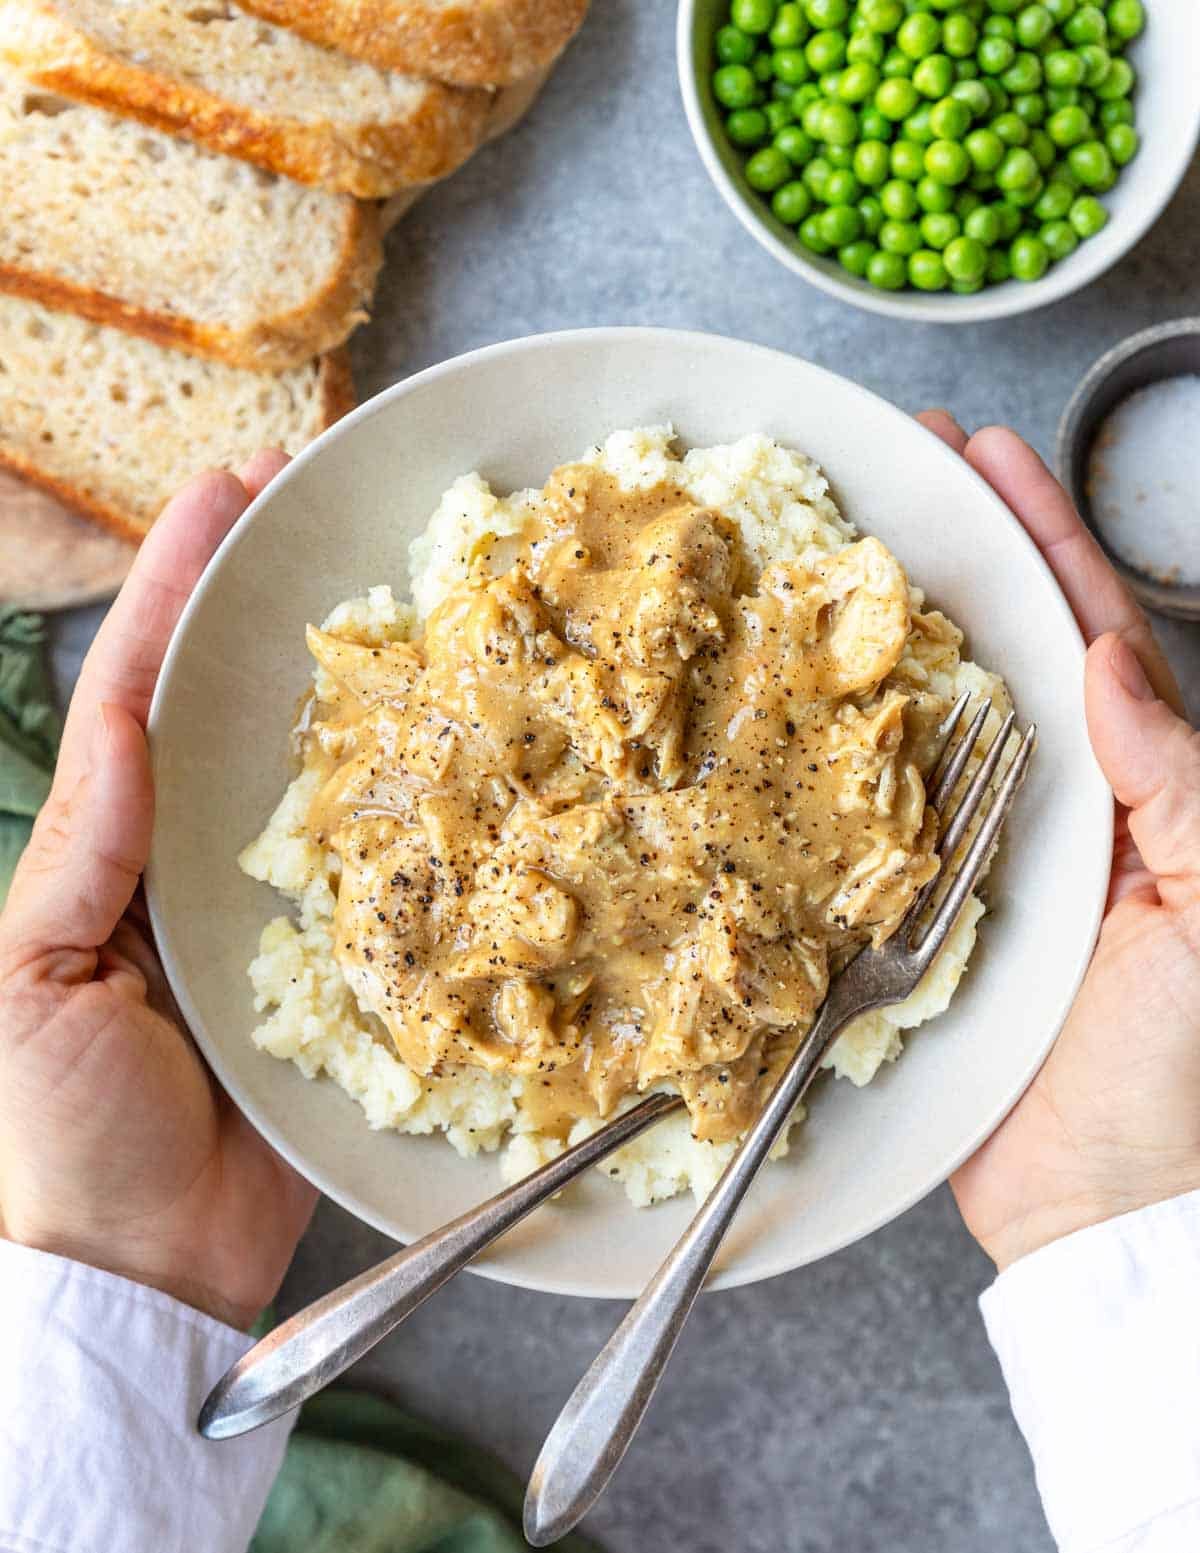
(1112, 1121)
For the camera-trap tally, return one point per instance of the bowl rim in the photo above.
(737, 1275)
(994, 302)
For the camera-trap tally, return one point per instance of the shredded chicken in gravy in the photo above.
(614, 820)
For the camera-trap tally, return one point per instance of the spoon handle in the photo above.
(318, 1343)
(594, 1429)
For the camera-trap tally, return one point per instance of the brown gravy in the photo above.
(610, 823)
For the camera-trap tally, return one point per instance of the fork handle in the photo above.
(319, 1342)
(594, 1429)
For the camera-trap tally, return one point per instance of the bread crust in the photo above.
(369, 161)
(289, 339)
(467, 42)
(336, 389)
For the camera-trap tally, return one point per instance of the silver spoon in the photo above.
(318, 1343)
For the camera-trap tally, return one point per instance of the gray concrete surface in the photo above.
(854, 1406)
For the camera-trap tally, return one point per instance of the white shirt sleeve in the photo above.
(1098, 1336)
(101, 1381)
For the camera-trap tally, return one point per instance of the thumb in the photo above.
(88, 847)
(1151, 758)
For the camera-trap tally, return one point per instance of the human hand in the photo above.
(1112, 1121)
(116, 1146)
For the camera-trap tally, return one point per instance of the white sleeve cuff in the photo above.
(101, 1381)
(1098, 1335)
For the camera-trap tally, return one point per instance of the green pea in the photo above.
(829, 83)
(959, 35)
(982, 182)
(950, 119)
(1118, 112)
(1068, 127)
(791, 202)
(899, 200)
(1126, 18)
(1097, 62)
(804, 97)
(733, 46)
(872, 162)
(1017, 171)
(926, 270)
(840, 224)
(934, 196)
(907, 160)
(888, 271)
(965, 260)
(865, 48)
(826, 51)
(841, 156)
(1028, 257)
(781, 92)
(965, 201)
(896, 65)
(812, 236)
(842, 188)
(966, 70)
(827, 13)
(796, 145)
(813, 118)
(1030, 107)
(734, 86)
(768, 169)
(1088, 216)
(1023, 75)
(1012, 129)
(1063, 67)
(1062, 97)
(934, 76)
(995, 55)
(1061, 9)
(985, 148)
(1045, 154)
(998, 269)
(1006, 7)
(1122, 141)
(855, 257)
(1118, 83)
(919, 35)
(882, 15)
(779, 116)
(1055, 200)
(871, 212)
(917, 126)
(1091, 164)
(816, 175)
(858, 82)
(839, 126)
(746, 126)
(1034, 24)
(983, 225)
(1060, 239)
(900, 237)
(1011, 220)
(753, 16)
(790, 66)
(966, 288)
(896, 98)
(791, 29)
(1001, 101)
(948, 162)
(1000, 27)
(974, 95)
(872, 124)
(1027, 195)
(939, 228)
(1087, 25)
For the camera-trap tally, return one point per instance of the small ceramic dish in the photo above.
(340, 519)
(1166, 351)
(1168, 109)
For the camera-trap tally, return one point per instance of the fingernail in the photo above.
(1127, 667)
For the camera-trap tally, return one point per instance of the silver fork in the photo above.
(594, 1429)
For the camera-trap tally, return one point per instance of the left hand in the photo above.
(116, 1146)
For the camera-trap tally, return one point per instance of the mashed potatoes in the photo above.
(778, 501)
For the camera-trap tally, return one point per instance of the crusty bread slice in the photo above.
(112, 424)
(470, 42)
(220, 76)
(129, 226)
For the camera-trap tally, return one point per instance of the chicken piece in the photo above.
(369, 674)
(522, 925)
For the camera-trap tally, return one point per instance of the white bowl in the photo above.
(1168, 117)
(340, 519)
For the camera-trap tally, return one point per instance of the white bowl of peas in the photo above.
(944, 160)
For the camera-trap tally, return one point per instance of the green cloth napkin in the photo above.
(29, 733)
(362, 1476)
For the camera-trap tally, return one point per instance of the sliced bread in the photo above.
(112, 424)
(470, 42)
(236, 84)
(129, 226)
